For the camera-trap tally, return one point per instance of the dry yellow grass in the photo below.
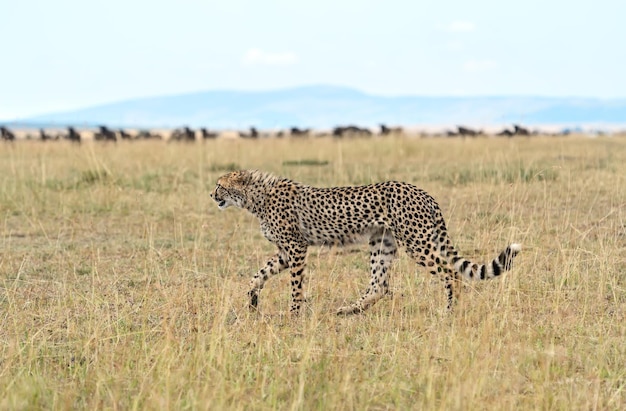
(123, 286)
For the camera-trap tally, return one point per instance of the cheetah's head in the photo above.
(230, 189)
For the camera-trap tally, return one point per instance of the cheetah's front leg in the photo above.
(275, 265)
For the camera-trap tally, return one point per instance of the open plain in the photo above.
(122, 286)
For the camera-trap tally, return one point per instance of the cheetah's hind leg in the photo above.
(383, 249)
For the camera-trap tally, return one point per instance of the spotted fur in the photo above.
(295, 216)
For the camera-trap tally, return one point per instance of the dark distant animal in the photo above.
(147, 135)
(385, 131)
(73, 135)
(186, 134)
(124, 135)
(143, 135)
(506, 132)
(297, 132)
(387, 215)
(206, 134)
(104, 134)
(343, 131)
(43, 136)
(466, 131)
(253, 133)
(6, 134)
(520, 131)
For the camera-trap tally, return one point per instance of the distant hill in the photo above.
(327, 106)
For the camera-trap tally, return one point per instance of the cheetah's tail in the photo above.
(485, 271)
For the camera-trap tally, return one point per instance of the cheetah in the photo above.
(295, 216)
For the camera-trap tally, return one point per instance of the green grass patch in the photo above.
(305, 162)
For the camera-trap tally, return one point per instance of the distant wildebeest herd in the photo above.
(187, 134)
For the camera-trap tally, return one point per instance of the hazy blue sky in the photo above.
(66, 54)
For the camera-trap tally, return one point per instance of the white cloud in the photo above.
(480, 65)
(258, 56)
(459, 26)
(454, 45)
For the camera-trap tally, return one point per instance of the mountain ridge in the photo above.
(324, 106)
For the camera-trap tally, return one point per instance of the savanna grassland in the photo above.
(122, 286)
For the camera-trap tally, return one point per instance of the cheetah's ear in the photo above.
(240, 178)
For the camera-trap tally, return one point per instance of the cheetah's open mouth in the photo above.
(221, 204)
